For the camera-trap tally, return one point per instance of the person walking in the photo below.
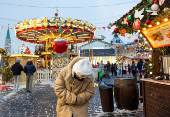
(29, 69)
(139, 65)
(16, 69)
(115, 69)
(108, 66)
(74, 88)
(119, 69)
(129, 68)
(101, 69)
(112, 68)
(133, 68)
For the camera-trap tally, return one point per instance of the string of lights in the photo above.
(19, 5)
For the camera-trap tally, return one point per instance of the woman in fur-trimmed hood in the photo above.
(74, 88)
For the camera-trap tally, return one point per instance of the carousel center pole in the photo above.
(46, 56)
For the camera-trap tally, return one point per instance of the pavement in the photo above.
(41, 102)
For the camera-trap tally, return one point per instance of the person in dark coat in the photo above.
(115, 69)
(16, 69)
(108, 66)
(29, 69)
(133, 68)
(139, 65)
(129, 68)
(112, 68)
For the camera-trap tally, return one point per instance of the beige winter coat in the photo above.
(73, 95)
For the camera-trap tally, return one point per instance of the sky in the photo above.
(97, 12)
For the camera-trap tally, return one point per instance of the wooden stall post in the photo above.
(155, 59)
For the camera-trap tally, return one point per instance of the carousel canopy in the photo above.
(39, 31)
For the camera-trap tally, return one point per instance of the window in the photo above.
(117, 41)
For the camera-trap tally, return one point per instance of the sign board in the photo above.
(159, 35)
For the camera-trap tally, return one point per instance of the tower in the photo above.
(8, 41)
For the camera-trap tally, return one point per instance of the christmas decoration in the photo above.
(136, 40)
(7, 74)
(148, 22)
(56, 14)
(154, 8)
(148, 68)
(129, 36)
(60, 45)
(123, 31)
(116, 30)
(27, 51)
(125, 20)
(166, 9)
(136, 24)
(161, 2)
(138, 14)
(130, 18)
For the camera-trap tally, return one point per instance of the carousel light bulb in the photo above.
(158, 23)
(138, 30)
(166, 19)
(150, 72)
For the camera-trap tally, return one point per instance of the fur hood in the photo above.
(69, 68)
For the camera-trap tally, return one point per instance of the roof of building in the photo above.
(8, 34)
(116, 41)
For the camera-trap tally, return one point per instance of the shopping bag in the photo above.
(100, 74)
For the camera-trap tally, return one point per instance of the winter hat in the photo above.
(29, 60)
(83, 68)
(18, 61)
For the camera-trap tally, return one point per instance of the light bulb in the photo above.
(144, 28)
(150, 48)
(158, 23)
(140, 35)
(166, 19)
(149, 55)
(150, 25)
(150, 72)
(138, 30)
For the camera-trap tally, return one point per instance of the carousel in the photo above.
(52, 37)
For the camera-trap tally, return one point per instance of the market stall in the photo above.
(24, 58)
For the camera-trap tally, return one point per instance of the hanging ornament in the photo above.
(166, 9)
(130, 18)
(128, 25)
(161, 2)
(125, 20)
(148, 22)
(136, 40)
(138, 14)
(154, 8)
(116, 30)
(60, 45)
(136, 24)
(129, 36)
(123, 31)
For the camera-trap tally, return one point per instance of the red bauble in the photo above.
(156, 2)
(136, 40)
(128, 25)
(148, 22)
(127, 20)
(116, 30)
(56, 14)
(60, 45)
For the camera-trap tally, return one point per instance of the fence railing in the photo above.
(44, 75)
